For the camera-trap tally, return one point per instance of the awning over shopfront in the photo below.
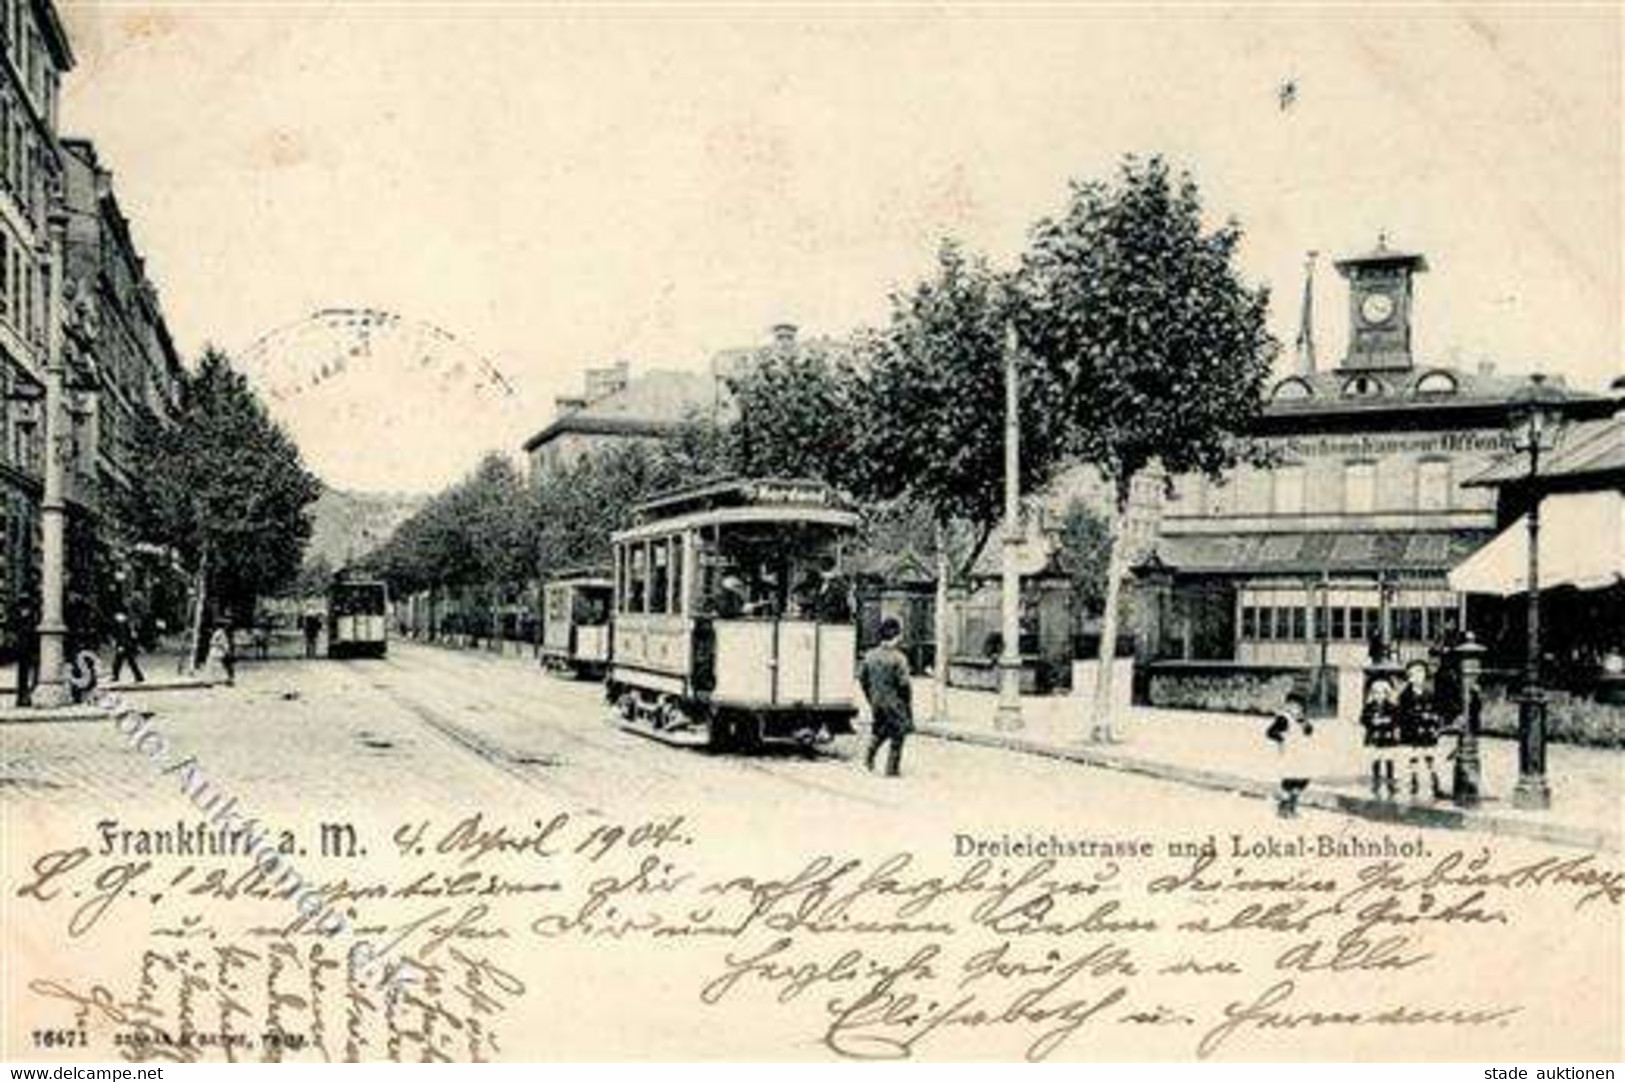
(1422, 552)
(1582, 544)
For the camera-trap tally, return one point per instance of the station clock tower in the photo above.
(1380, 284)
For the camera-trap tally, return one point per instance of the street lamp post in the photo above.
(1008, 715)
(1533, 791)
(53, 503)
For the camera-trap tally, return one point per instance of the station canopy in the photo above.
(1582, 544)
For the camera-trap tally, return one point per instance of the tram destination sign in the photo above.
(790, 492)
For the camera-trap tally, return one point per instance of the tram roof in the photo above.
(738, 501)
(778, 492)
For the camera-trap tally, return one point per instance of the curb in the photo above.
(30, 715)
(38, 715)
(1448, 818)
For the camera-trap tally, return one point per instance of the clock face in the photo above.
(1377, 307)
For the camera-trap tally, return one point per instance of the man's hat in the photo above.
(890, 628)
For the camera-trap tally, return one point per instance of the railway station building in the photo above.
(1345, 534)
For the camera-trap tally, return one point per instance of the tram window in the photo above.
(1249, 622)
(637, 578)
(678, 604)
(1339, 623)
(659, 575)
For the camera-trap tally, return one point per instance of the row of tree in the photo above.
(223, 488)
(1137, 345)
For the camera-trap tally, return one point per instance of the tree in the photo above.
(1083, 555)
(1160, 352)
(929, 399)
(313, 578)
(225, 487)
(792, 414)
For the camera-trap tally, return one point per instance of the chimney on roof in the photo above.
(603, 382)
(784, 335)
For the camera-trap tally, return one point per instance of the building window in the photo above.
(1363, 387)
(1287, 498)
(1292, 388)
(1359, 487)
(1436, 383)
(1433, 485)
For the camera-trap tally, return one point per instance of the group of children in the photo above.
(1404, 724)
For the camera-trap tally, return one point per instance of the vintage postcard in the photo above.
(811, 532)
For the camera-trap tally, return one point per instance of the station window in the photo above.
(1433, 485)
(1359, 487)
(659, 575)
(1287, 498)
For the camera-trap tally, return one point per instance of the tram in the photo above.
(356, 623)
(575, 623)
(732, 622)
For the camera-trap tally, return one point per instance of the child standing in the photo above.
(1419, 725)
(1291, 731)
(1381, 737)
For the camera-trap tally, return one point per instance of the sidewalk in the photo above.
(1229, 752)
(161, 670)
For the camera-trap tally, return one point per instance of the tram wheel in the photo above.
(747, 730)
(719, 731)
(627, 705)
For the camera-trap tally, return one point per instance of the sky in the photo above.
(564, 186)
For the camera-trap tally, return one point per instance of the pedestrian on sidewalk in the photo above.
(221, 651)
(126, 648)
(883, 675)
(1381, 737)
(1419, 727)
(25, 637)
(312, 625)
(1291, 731)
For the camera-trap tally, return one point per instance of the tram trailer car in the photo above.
(575, 624)
(357, 621)
(731, 620)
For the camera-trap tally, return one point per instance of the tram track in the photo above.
(677, 770)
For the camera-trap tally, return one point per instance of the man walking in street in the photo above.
(126, 647)
(313, 629)
(883, 675)
(25, 636)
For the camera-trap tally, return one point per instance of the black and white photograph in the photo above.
(812, 532)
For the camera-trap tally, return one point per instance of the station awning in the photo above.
(1408, 552)
(1582, 544)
